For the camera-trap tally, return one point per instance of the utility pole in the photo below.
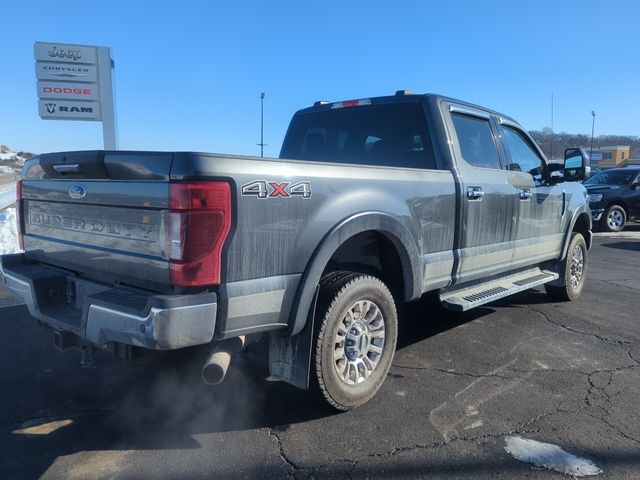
(262, 144)
(551, 146)
(593, 124)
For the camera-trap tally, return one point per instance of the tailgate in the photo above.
(100, 214)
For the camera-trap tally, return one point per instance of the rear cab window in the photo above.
(393, 135)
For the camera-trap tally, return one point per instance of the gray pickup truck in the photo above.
(372, 202)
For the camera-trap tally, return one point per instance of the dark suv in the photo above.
(614, 197)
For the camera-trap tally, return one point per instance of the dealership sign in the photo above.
(56, 52)
(69, 109)
(66, 71)
(74, 83)
(67, 91)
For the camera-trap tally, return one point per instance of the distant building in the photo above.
(610, 157)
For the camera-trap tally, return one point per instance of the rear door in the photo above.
(489, 195)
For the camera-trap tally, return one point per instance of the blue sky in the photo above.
(189, 74)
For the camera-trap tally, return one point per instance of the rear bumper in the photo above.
(100, 314)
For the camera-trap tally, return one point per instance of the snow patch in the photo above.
(8, 232)
(7, 195)
(550, 456)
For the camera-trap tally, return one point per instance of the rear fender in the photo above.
(290, 355)
(382, 223)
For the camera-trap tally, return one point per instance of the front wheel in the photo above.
(614, 219)
(356, 338)
(574, 270)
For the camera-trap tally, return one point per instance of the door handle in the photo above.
(67, 167)
(525, 194)
(475, 193)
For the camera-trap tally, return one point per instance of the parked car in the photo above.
(372, 202)
(614, 197)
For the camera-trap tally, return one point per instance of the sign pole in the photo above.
(105, 70)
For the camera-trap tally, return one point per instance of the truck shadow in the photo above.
(414, 328)
(116, 407)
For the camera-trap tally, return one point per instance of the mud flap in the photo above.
(290, 356)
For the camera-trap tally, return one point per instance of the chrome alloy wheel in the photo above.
(358, 342)
(615, 219)
(577, 266)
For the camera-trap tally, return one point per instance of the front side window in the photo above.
(523, 157)
(612, 177)
(476, 141)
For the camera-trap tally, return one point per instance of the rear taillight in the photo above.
(199, 223)
(19, 214)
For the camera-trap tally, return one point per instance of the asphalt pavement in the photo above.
(564, 373)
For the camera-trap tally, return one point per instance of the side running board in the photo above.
(463, 299)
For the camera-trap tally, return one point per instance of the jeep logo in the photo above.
(60, 53)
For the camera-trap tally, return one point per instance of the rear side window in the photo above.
(476, 141)
(393, 135)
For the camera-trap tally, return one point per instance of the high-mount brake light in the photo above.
(199, 224)
(351, 103)
(19, 210)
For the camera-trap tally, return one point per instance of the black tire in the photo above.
(613, 219)
(340, 294)
(572, 266)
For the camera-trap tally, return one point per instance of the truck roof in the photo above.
(402, 96)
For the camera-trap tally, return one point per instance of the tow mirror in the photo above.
(576, 165)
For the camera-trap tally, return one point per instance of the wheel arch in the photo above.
(581, 222)
(620, 203)
(388, 228)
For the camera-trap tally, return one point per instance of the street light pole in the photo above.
(593, 124)
(261, 124)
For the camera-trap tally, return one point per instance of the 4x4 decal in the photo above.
(266, 189)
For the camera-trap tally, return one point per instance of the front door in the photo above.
(538, 236)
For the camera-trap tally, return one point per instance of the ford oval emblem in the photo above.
(77, 192)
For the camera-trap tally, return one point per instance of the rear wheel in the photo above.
(356, 338)
(574, 269)
(614, 219)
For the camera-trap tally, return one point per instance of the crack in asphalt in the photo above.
(620, 343)
(610, 425)
(618, 285)
(522, 429)
(283, 456)
(606, 398)
(297, 471)
(472, 375)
